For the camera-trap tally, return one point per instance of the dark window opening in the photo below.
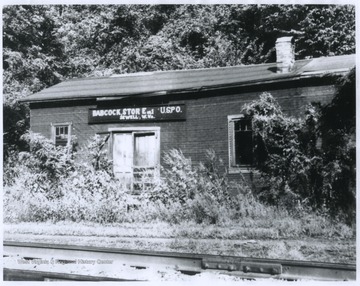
(243, 142)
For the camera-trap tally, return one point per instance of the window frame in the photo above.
(62, 124)
(233, 167)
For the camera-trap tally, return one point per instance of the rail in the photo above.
(244, 267)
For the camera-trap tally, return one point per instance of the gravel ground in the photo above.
(160, 237)
(336, 251)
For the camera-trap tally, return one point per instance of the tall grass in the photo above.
(184, 195)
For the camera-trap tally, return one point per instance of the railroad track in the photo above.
(33, 254)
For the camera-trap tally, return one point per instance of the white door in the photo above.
(145, 150)
(123, 157)
(136, 158)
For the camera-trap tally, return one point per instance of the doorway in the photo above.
(136, 157)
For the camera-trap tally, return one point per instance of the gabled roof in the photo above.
(164, 82)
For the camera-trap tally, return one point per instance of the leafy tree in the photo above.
(337, 127)
(284, 161)
(308, 162)
(16, 123)
(340, 114)
(32, 57)
(318, 29)
(32, 54)
(328, 31)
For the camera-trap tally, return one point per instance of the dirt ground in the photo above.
(307, 249)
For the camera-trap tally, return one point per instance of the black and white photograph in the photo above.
(177, 142)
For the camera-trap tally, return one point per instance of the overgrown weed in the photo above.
(197, 200)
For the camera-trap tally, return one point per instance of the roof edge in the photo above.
(291, 76)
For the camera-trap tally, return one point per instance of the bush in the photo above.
(299, 169)
(178, 180)
(54, 186)
(97, 154)
(88, 191)
(200, 193)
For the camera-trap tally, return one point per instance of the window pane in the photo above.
(243, 125)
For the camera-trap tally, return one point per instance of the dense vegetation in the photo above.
(308, 162)
(44, 45)
(184, 195)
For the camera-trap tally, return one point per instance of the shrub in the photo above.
(97, 153)
(178, 181)
(54, 186)
(298, 171)
(200, 193)
(205, 208)
(92, 195)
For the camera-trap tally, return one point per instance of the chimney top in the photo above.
(285, 54)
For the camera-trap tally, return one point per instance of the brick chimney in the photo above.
(285, 54)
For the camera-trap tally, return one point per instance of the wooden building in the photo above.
(145, 114)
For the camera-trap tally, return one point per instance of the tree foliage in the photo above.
(33, 54)
(308, 162)
(47, 44)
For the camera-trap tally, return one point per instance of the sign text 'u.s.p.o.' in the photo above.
(133, 114)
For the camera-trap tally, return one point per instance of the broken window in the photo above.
(241, 142)
(61, 134)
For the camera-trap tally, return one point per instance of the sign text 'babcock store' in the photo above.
(130, 114)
